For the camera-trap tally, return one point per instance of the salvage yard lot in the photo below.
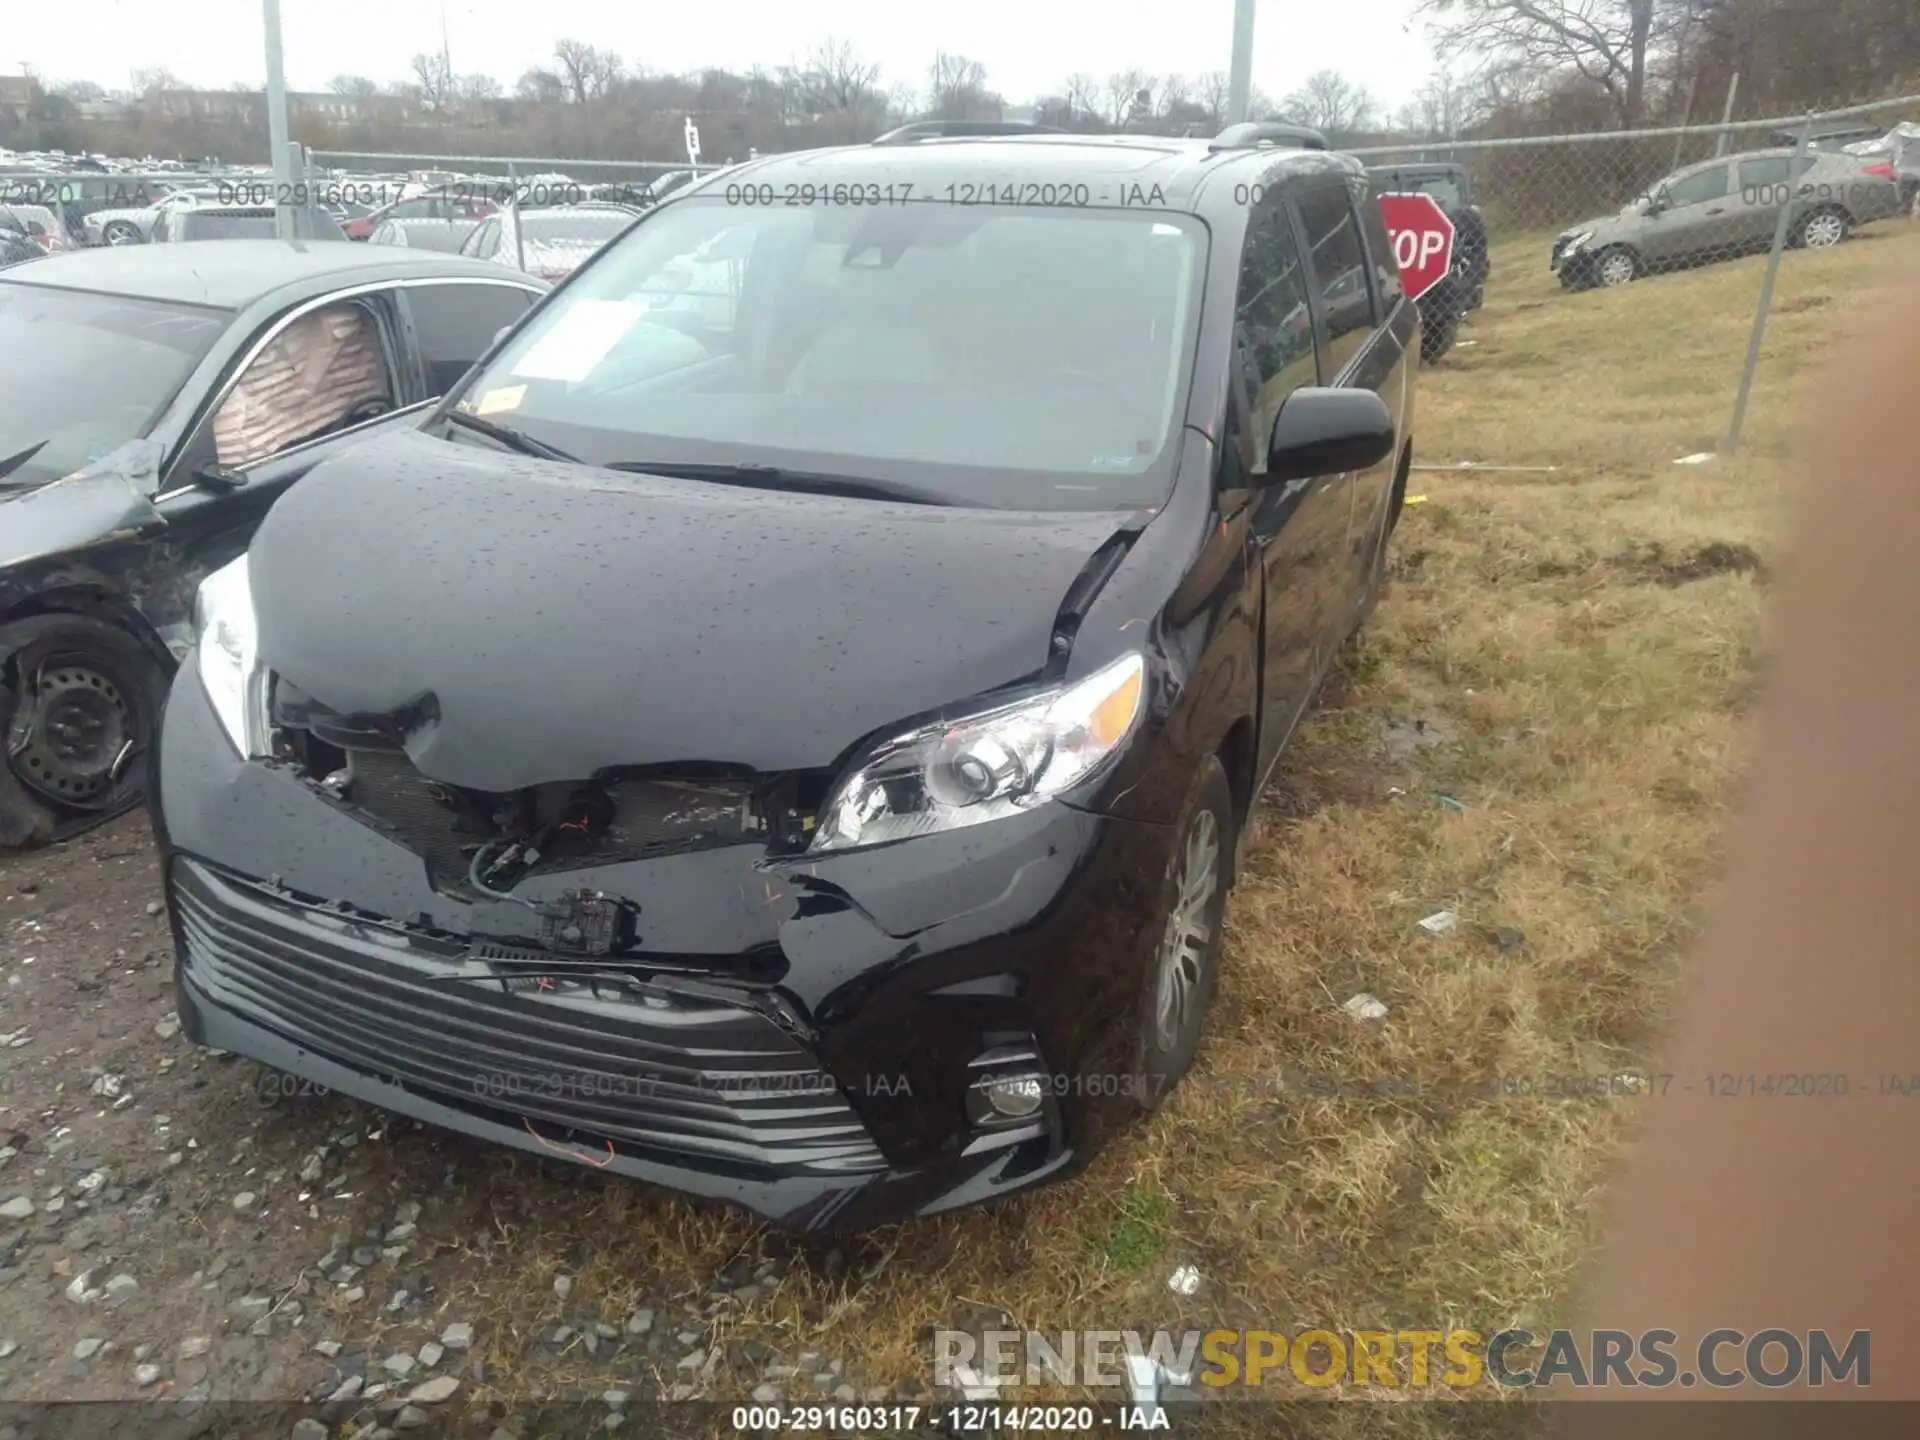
(1541, 732)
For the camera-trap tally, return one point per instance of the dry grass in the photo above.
(1581, 644)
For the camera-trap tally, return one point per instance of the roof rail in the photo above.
(1259, 134)
(960, 129)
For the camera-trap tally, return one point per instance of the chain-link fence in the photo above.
(1598, 211)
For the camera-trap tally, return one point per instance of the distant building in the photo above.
(17, 94)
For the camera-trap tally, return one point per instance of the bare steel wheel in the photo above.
(79, 700)
(1185, 968)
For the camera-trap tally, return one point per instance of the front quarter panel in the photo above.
(1186, 596)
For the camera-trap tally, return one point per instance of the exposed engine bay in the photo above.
(480, 844)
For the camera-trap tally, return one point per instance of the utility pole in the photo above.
(278, 137)
(1240, 75)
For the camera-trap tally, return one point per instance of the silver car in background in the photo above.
(1727, 207)
(549, 243)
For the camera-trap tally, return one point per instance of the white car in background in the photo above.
(549, 243)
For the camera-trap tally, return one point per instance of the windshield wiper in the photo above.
(773, 477)
(508, 436)
(14, 462)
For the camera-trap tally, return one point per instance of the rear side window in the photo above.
(1337, 261)
(1768, 170)
(454, 325)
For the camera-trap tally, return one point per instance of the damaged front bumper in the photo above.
(804, 1037)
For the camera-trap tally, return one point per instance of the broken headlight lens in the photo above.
(228, 652)
(985, 766)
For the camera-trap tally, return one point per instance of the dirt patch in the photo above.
(1654, 562)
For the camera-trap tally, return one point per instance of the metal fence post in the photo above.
(513, 210)
(1780, 229)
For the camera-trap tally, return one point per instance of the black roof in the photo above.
(1111, 167)
(231, 274)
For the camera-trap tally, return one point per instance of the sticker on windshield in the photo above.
(507, 397)
(579, 340)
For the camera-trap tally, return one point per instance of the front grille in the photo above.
(639, 1062)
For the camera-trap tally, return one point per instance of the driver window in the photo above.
(323, 372)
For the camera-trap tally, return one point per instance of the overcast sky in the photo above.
(1027, 46)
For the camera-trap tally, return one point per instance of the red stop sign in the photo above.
(1422, 240)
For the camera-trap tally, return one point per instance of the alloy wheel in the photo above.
(1824, 230)
(1617, 269)
(1189, 931)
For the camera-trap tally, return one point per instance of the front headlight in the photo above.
(1576, 241)
(985, 766)
(228, 651)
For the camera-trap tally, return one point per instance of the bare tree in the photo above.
(540, 86)
(587, 71)
(154, 81)
(1212, 92)
(1122, 93)
(834, 77)
(476, 89)
(433, 81)
(1083, 97)
(959, 89)
(1605, 43)
(1330, 102)
(354, 87)
(80, 91)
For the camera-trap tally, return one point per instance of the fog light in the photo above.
(1015, 1097)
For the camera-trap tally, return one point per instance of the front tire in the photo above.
(1438, 331)
(122, 232)
(1616, 266)
(1178, 988)
(80, 701)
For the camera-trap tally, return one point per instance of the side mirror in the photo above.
(1654, 206)
(1322, 430)
(218, 478)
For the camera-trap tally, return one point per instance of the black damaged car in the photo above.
(784, 727)
(154, 401)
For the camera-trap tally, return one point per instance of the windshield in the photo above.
(1444, 188)
(1023, 358)
(86, 373)
(587, 229)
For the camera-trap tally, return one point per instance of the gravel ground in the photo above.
(176, 1222)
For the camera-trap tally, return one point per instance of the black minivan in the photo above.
(782, 729)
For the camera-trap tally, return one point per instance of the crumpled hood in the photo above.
(96, 503)
(566, 620)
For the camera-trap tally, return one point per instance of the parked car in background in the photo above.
(17, 244)
(550, 243)
(455, 208)
(1899, 148)
(40, 223)
(241, 222)
(1464, 288)
(1727, 207)
(175, 391)
(798, 752)
(133, 225)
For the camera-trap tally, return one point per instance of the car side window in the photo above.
(454, 324)
(1695, 189)
(1338, 264)
(325, 371)
(1768, 170)
(1272, 326)
(1386, 269)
